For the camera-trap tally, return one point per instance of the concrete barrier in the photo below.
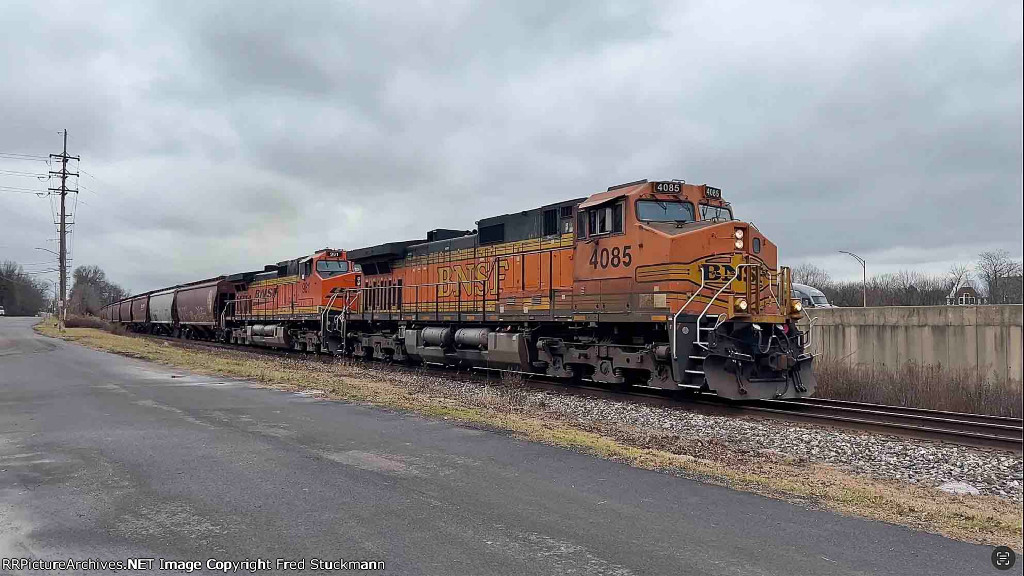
(983, 338)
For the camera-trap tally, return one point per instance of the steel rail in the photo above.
(980, 418)
(977, 429)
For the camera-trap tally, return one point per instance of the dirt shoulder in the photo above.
(510, 408)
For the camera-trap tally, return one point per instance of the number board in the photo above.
(333, 254)
(668, 187)
(712, 192)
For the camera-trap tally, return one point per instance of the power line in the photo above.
(19, 156)
(22, 190)
(21, 173)
(107, 187)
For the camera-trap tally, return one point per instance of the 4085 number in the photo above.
(611, 258)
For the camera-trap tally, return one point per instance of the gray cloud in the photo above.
(221, 138)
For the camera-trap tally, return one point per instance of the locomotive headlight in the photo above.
(797, 306)
(741, 305)
(739, 233)
(739, 244)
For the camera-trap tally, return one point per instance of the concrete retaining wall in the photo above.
(984, 338)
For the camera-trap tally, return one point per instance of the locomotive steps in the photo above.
(880, 477)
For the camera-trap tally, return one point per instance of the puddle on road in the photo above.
(370, 461)
(177, 411)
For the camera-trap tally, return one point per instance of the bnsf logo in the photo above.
(725, 272)
(265, 293)
(470, 279)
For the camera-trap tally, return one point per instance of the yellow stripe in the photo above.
(275, 281)
(505, 249)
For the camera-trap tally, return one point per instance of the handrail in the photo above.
(810, 326)
(323, 317)
(715, 297)
(675, 317)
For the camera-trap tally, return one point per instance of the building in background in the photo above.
(965, 295)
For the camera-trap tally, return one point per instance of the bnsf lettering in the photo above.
(265, 293)
(470, 279)
(718, 271)
(613, 258)
(714, 272)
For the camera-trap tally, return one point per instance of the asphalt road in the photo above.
(110, 458)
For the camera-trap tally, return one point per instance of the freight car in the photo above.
(649, 283)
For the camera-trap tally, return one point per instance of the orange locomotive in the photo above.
(648, 283)
(286, 304)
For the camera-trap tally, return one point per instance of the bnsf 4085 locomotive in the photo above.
(649, 283)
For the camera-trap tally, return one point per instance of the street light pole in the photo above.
(864, 271)
(56, 295)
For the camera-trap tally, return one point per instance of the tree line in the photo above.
(23, 295)
(995, 275)
(20, 293)
(90, 291)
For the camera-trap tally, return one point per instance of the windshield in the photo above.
(658, 211)
(329, 268)
(819, 299)
(709, 212)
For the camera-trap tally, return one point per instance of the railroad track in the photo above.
(961, 428)
(978, 430)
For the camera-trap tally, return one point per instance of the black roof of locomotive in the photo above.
(523, 225)
(389, 251)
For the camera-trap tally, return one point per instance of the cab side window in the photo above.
(581, 224)
(606, 219)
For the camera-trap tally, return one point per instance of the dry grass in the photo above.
(921, 386)
(982, 519)
(74, 321)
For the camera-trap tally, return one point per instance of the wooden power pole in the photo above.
(63, 255)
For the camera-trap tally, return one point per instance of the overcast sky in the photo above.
(219, 137)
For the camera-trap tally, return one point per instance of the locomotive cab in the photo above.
(330, 273)
(672, 253)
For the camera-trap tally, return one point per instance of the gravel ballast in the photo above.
(909, 460)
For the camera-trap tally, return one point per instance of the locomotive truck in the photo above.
(650, 284)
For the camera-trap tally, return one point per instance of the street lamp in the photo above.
(864, 270)
(61, 312)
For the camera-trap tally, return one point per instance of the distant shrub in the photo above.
(917, 385)
(74, 321)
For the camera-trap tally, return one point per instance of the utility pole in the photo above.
(63, 256)
(864, 271)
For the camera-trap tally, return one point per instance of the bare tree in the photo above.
(1001, 276)
(20, 294)
(811, 275)
(958, 276)
(91, 290)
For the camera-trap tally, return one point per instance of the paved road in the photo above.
(106, 457)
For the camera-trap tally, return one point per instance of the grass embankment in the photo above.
(982, 519)
(921, 386)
